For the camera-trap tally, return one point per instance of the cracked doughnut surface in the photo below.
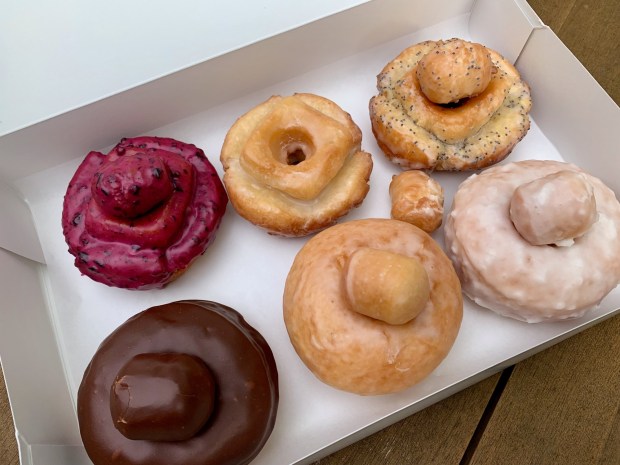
(478, 128)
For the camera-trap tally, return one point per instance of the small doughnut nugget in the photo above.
(417, 199)
(372, 306)
(294, 165)
(449, 105)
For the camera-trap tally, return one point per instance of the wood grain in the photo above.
(591, 30)
(560, 406)
(439, 434)
(8, 444)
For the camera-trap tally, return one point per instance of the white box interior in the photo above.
(69, 315)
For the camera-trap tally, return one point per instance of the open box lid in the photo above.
(45, 419)
(151, 103)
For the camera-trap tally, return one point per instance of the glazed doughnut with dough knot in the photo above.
(372, 306)
(293, 165)
(535, 240)
(449, 105)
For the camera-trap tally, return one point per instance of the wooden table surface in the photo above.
(561, 406)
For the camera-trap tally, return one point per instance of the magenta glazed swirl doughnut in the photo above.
(137, 217)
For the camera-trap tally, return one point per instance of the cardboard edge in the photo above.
(503, 26)
(24, 449)
(447, 392)
(35, 378)
(203, 85)
(18, 233)
(559, 80)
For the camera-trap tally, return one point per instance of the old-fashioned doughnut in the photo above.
(449, 105)
(417, 199)
(189, 383)
(293, 165)
(535, 240)
(372, 306)
(137, 217)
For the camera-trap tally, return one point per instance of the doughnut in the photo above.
(293, 165)
(535, 240)
(449, 105)
(137, 217)
(189, 382)
(372, 306)
(417, 199)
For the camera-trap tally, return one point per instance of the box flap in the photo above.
(196, 88)
(504, 26)
(35, 378)
(17, 230)
(559, 81)
(84, 51)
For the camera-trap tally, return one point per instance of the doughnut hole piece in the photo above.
(455, 70)
(417, 199)
(162, 397)
(131, 186)
(554, 209)
(386, 286)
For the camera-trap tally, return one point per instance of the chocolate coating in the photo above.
(243, 368)
(162, 397)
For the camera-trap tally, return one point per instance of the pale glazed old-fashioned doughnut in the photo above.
(535, 240)
(449, 105)
(137, 217)
(372, 306)
(293, 165)
(417, 199)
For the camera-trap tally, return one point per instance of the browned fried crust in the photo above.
(411, 146)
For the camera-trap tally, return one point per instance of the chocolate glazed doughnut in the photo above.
(137, 217)
(170, 371)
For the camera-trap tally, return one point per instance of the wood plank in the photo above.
(439, 434)
(8, 444)
(591, 30)
(560, 406)
(553, 12)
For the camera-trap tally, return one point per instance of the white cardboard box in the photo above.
(53, 319)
